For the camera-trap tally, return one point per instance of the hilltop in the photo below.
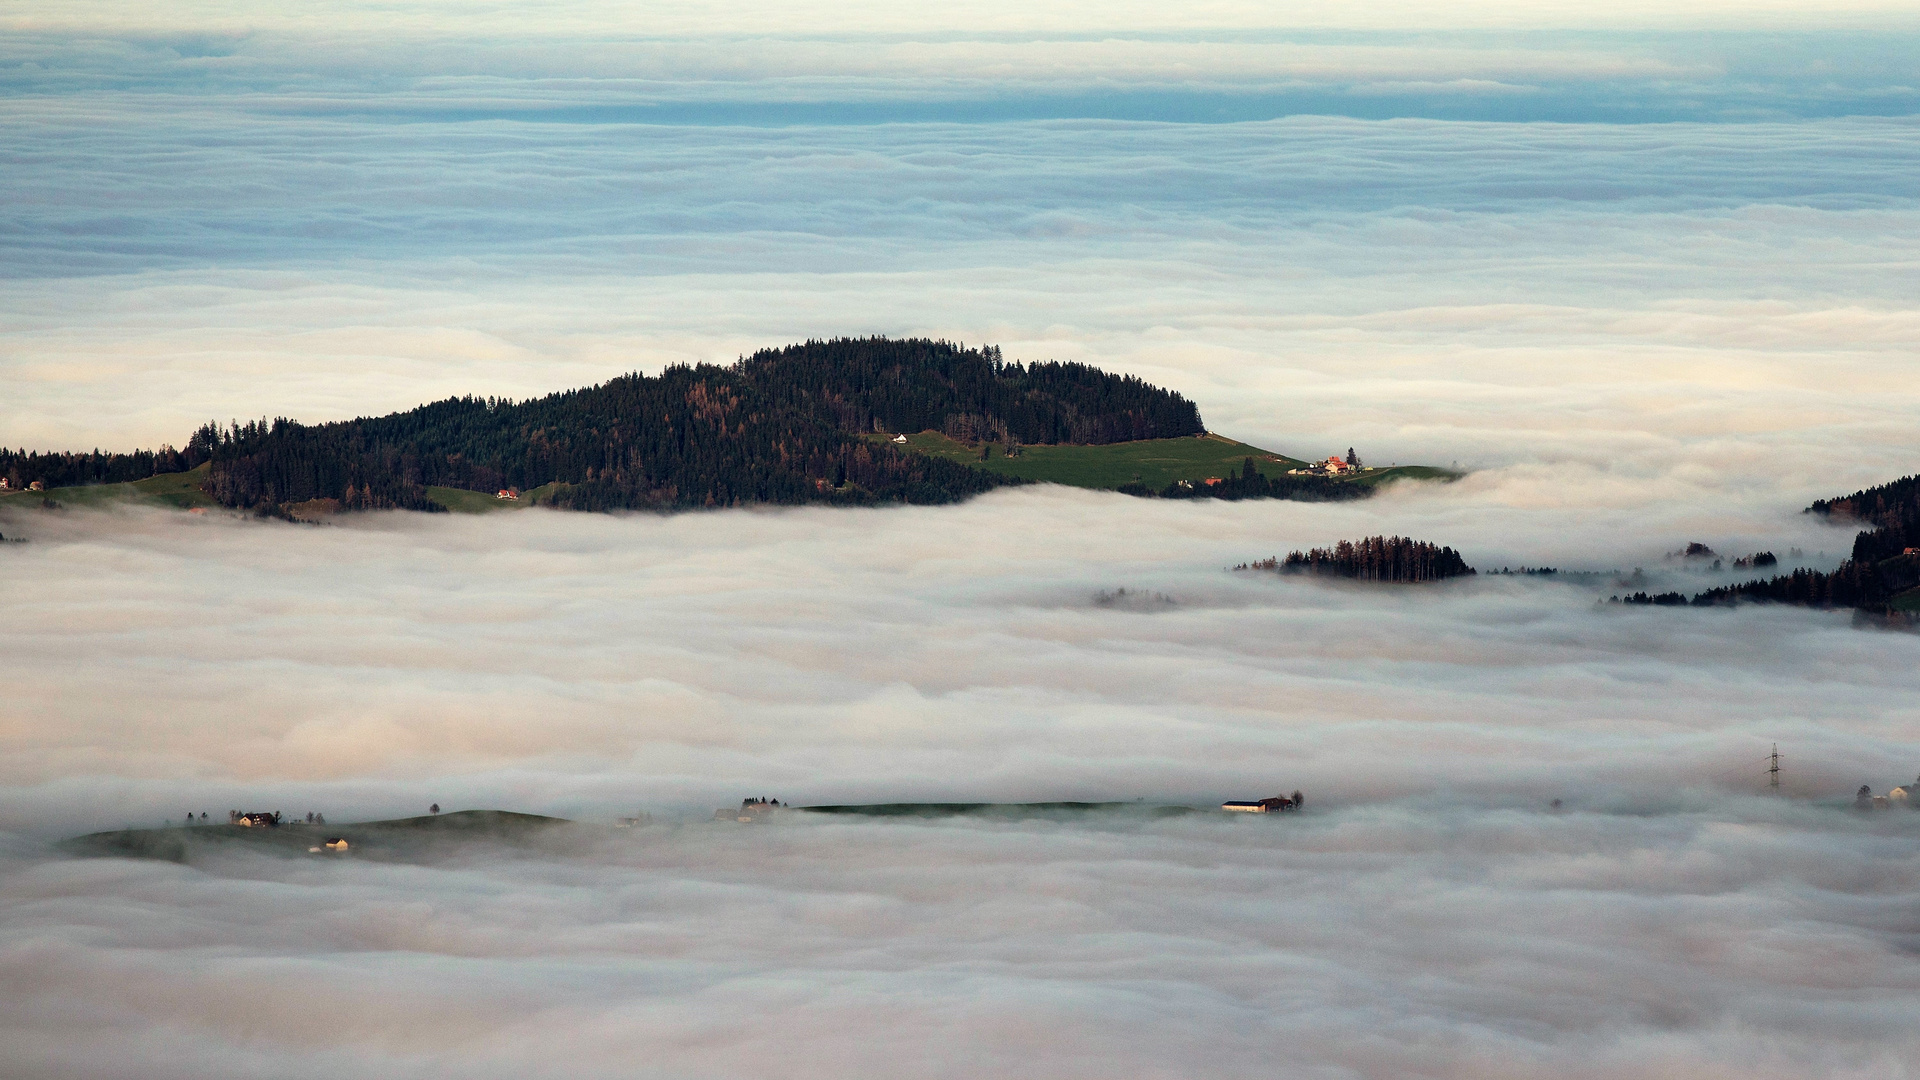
(845, 422)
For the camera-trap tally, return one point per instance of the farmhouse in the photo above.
(508, 493)
(1275, 805)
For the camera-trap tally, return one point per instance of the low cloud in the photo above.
(1637, 336)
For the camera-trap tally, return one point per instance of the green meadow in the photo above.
(180, 490)
(1153, 462)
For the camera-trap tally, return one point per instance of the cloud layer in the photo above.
(1431, 916)
(1640, 335)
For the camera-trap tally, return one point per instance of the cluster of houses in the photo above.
(33, 485)
(1906, 797)
(508, 493)
(1333, 466)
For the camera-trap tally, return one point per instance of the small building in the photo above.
(900, 438)
(1276, 805)
(257, 820)
(512, 494)
(5, 484)
(1211, 481)
(36, 486)
(337, 843)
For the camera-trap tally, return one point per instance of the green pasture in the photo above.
(179, 490)
(462, 501)
(182, 491)
(1153, 462)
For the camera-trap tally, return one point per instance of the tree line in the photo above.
(1877, 570)
(1377, 558)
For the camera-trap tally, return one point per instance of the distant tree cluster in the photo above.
(1878, 570)
(1377, 558)
(1665, 599)
(878, 384)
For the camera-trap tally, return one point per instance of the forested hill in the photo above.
(1879, 578)
(781, 426)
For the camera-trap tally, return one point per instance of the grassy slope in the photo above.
(182, 491)
(179, 490)
(398, 837)
(1154, 462)
(462, 501)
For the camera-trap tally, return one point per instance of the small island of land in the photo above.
(850, 422)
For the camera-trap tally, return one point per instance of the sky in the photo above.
(1646, 273)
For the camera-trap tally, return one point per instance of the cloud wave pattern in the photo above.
(1431, 915)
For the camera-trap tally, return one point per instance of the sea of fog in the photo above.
(1432, 912)
(1646, 272)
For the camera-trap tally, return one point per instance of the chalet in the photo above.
(1275, 805)
(1336, 466)
(900, 438)
(512, 494)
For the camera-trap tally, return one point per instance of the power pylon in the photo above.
(1773, 768)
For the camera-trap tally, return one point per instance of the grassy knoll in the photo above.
(462, 501)
(1376, 477)
(1153, 462)
(179, 490)
(182, 491)
(401, 838)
